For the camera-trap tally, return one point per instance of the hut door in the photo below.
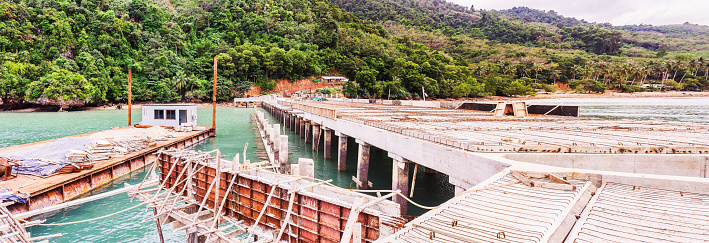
(183, 116)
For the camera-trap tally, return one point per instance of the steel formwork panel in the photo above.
(312, 219)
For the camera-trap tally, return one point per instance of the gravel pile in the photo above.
(55, 150)
(132, 133)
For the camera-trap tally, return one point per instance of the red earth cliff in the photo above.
(286, 86)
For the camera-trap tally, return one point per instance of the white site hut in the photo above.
(170, 115)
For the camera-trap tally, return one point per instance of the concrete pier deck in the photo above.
(483, 132)
(470, 146)
(58, 188)
(532, 178)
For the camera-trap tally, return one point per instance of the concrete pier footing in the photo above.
(342, 152)
(400, 181)
(328, 142)
(362, 165)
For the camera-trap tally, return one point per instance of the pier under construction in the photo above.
(529, 178)
(517, 178)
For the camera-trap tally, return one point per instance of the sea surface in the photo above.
(682, 109)
(234, 130)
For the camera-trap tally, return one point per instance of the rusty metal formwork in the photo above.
(316, 212)
(483, 132)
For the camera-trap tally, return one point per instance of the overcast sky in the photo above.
(616, 12)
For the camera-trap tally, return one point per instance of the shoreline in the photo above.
(666, 94)
(541, 95)
(122, 106)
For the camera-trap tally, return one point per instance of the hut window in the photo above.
(170, 114)
(159, 114)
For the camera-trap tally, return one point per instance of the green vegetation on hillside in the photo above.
(79, 51)
(537, 46)
(66, 50)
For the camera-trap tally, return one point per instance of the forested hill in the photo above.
(541, 48)
(79, 51)
(82, 49)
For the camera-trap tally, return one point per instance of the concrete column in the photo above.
(316, 136)
(296, 123)
(302, 128)
(342, 152)
(328, 142)
(306, 167)
(362, 165)
(400, 181)
(283, 153)
(307, 132)
(276, 138)
(293, 124)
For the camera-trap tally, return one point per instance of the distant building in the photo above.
(332, 79)
(169, 115)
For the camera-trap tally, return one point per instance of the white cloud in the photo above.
(616, 12)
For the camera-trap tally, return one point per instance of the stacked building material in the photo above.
(100, 150)
(77, 156)
(132, 145)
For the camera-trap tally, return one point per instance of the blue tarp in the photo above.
(37, 167)
(6, 195)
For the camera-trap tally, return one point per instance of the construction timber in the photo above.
(216, 200)
(59, 188)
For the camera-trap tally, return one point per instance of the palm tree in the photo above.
(537, 67)
(555, 76)
(576, 69)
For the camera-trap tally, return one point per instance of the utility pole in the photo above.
(130, 84)
(214, 96)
